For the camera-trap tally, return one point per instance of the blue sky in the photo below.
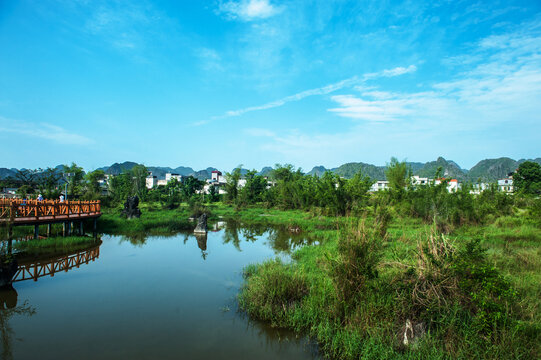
(259, 82)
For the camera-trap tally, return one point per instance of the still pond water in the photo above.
(170, 297)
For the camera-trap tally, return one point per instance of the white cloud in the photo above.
(502, 83)
(249, 10)
(44, 131)
(327, 89)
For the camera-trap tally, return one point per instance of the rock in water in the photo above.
(131, 209)
(201, 224)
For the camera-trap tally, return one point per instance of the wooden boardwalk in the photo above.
(34, 212)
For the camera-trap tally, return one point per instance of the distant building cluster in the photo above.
(504, 185)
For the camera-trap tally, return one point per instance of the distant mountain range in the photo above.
(488, 170)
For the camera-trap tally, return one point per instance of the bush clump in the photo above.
(449, 284)
(272, 292)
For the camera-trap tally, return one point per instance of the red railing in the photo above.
(19, 209)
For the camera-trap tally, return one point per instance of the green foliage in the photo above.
(273, 292)
(48, 183)
(358, 254)
(232, 185)
(357, 188)
(447, 280)
(93, 188)
(397, 174)
(75, 179)
(130, 183)
(527, 178)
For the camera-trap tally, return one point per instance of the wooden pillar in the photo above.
(81, 228)
(69, 228)
(36, 231)
(10, 246)
(95, 227)
(64, 228)
(49, 227)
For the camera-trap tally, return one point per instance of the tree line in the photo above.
(289, 188)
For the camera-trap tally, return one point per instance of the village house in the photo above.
(379, 185)
(419, 181)
(506, 185)
(452, 185)
(151, 181)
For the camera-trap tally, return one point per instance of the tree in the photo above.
(358, 187)
(139, 174)
(527, 178)
(27, 179)
(27, 176)
(254, 188)
(75, 179)
(397, 174)
(231, 186)
(93, 178)
(48, 182)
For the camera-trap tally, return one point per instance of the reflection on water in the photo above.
(8, 309)
(146, 298)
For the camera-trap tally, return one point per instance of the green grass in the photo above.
(371, 327)
(54, 245)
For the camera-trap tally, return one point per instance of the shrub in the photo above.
(272, 291)
(358, 256)
(447, 280)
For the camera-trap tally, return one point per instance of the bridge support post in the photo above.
(36, 231)
(95, 228)
(64, 228)
(10, 232)
(69, 228)
(49, 227)
(81, 228)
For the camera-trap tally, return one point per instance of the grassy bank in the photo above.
(477, 292)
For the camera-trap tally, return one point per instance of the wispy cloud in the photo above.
(249, 10)
(210, 59)
(324, 90)
(44, 131)
(504, 83)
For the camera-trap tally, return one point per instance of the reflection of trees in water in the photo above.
(137, 240)
(140, 239)
(279, 237)
(278, 338)
(9, 308)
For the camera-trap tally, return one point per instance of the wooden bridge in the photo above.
(31, 269)
(15, 212)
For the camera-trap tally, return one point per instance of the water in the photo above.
(149, 298)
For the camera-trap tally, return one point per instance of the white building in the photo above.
(419, 181)
(171, 176)
(161, 182)
(151, 181)
(479, 188)
(452, 185)
(506, 185)
(380, 185)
